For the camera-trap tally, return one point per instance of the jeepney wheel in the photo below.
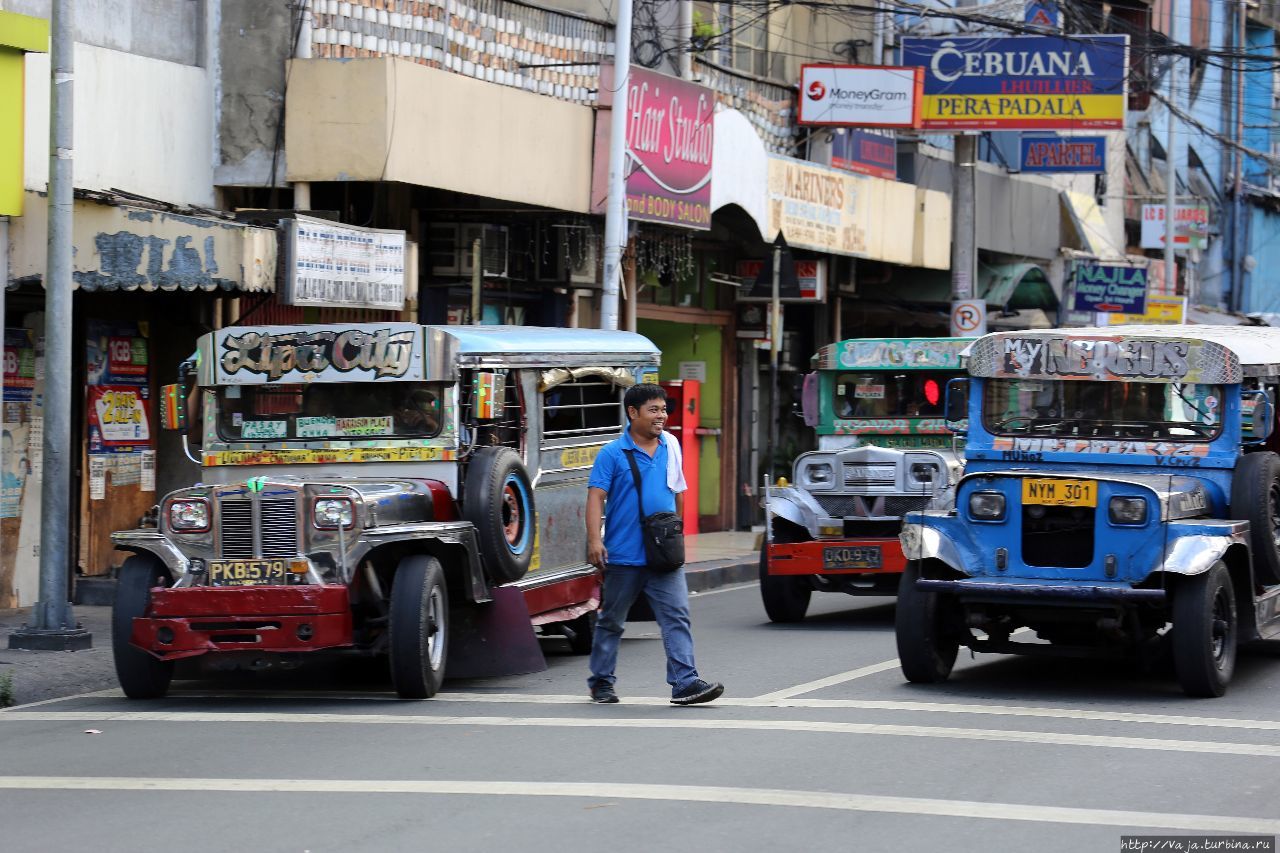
(786, 598)
(141, 676)
(498, 499)
(419, 627)
(1205, 632)
(926, 648)
(1255, 495)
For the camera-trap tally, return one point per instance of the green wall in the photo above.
(685, 342)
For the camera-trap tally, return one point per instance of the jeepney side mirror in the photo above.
(809, 400)
(957, 405)
(1258, 415)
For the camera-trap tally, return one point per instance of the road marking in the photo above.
(111, 691)
(732, 588)
(1253, 750)
(829, 681)
(679, 793)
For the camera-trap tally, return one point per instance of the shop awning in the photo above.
(131, 247)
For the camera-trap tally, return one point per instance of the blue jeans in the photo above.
(668, 595)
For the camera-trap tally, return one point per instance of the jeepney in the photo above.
(404, 492)
(883, 450)
(1121, 497)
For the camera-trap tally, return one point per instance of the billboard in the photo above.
(860, 95)
(1021, 82)
(1081, 155)
(1190, 226)
(329, 264)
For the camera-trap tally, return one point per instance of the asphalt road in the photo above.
(818, 744)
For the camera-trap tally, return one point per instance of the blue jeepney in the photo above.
(1121, 494)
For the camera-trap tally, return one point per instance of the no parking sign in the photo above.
(968, 318)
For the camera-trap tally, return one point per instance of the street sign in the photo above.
(968, 318)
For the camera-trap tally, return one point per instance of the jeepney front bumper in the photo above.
(836, 557)
(188, 621)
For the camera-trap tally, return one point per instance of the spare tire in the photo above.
(498, 499)
(1255, 496)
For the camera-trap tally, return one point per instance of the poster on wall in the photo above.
(14, 459)
(116, 353)
(19, 364)
(119, 418)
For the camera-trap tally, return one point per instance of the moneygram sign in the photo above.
(860, 95)
(1021, 82)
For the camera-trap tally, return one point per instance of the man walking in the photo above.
(620, 553)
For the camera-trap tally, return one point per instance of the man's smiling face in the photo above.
(650, 419)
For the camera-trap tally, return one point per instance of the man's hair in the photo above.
(638, 395)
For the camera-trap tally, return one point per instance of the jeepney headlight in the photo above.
(189, 516)
(923, 472)
(332, 513)
(819, 474)
(1127, 510)
(986, 506)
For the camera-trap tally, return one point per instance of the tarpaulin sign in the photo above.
(119, 418)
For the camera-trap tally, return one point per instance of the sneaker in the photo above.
(602, 694)
(697, 693)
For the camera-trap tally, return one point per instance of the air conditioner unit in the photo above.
(453, 245)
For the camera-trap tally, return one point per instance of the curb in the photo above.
(712, 574)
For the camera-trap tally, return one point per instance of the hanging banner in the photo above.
(860, 95)
(1081, 155)
(119, 418)
(1021, 82)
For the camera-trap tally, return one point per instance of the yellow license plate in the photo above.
(247, 572)
(1046, 492)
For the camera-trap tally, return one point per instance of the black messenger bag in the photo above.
(662, 532)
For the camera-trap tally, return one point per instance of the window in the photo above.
(885, 394)
(589, 409)
(1175, 411)
(323, 411)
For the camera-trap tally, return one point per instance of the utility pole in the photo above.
(968, 313)
(53, 625)
(1236, 302)
(1171, 178)
(775, 344)
(615, 217)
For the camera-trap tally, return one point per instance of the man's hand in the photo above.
(597, 555)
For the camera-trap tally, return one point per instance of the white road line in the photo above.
(676, 793)
(733, 588)
(829, 681)
(1252, 750)
(112, 691)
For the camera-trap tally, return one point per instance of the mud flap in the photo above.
(493, 639)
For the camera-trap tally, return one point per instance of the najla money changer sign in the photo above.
(1021, 82)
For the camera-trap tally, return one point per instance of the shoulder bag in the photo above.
(662, 532)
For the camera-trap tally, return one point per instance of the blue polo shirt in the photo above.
(612, 473)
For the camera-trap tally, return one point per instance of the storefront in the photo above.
(148, 282)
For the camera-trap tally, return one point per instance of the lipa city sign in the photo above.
(1021, 82)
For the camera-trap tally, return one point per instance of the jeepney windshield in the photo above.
(319, 411)
(886, 394)
(1171, 411)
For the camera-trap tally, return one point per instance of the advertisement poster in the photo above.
(19, 364)
(116, 353)
(119, 418)
(1021, 82)
(14, 459)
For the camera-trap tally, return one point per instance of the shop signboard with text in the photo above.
(1080, 155)
(818, 208)
(1190, 226)
(1021, 82)
(670, 141)
(333, 265)
(867, 152)
(1107, 288)
(811, 275)
(860, 95)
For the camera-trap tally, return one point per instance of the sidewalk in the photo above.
(714, 560)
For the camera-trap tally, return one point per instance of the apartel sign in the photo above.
(669, 147)
(1021, 82)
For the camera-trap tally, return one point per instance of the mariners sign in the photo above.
(1021, 82)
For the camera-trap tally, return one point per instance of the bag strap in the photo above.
(635, 475)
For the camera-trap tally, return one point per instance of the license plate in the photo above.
(247, 572)
(1055, 492)
(851, 557)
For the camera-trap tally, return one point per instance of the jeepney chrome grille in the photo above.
(902, 506)
(279, 527)
(870, 506)
(838, 506)
(236, 529)
(868, 475)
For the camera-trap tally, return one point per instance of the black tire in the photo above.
(1255, 496)
(581, 633)
(926, 648)
(1206, 631)
(498, 499)
(786, 598)
(141, 676)
(419, 627)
